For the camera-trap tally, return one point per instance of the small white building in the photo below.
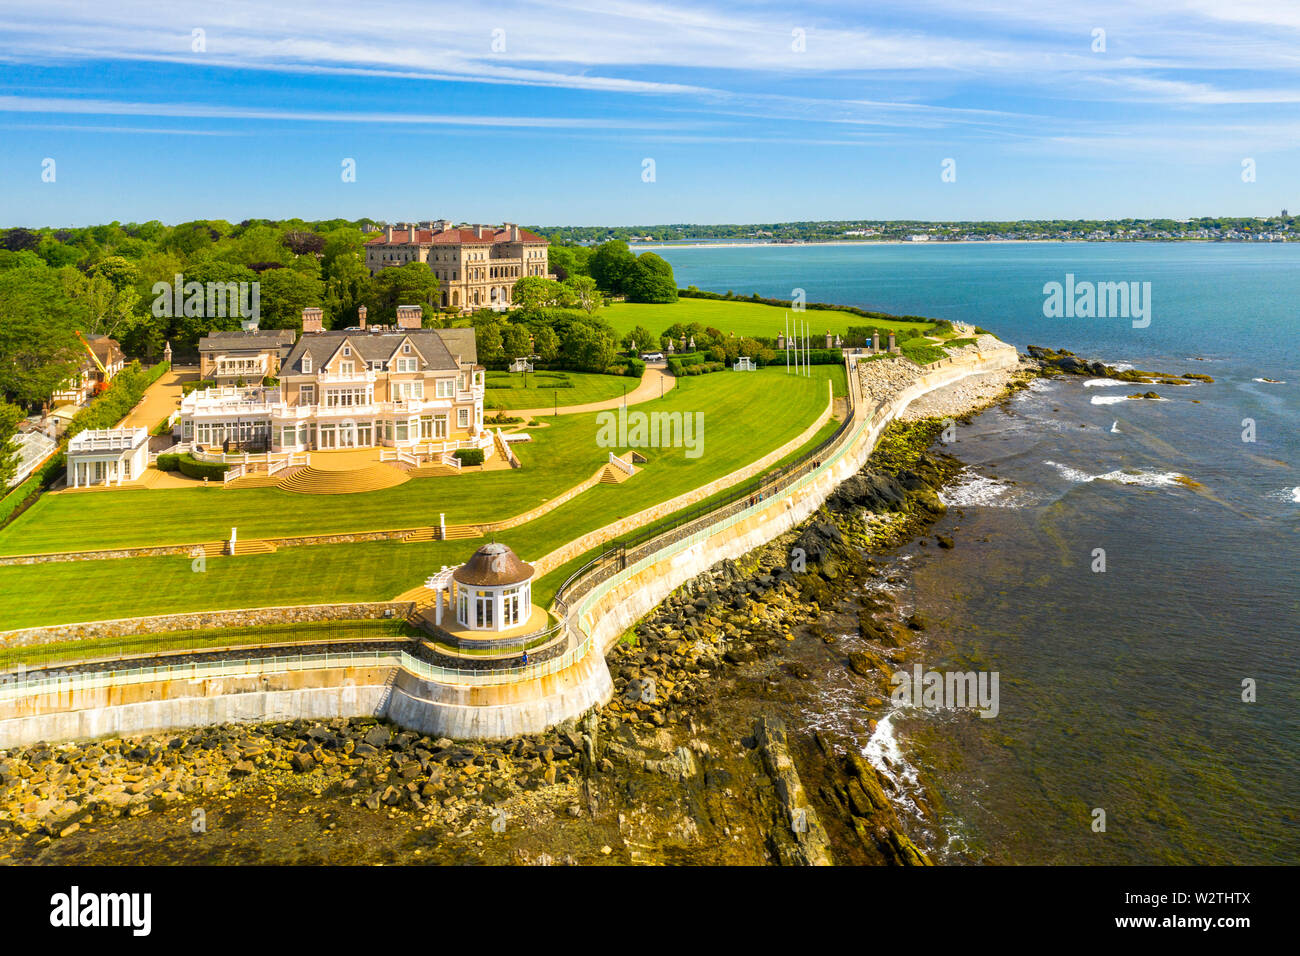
(492, 591)
(107, 456)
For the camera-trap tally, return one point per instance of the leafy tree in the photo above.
(610, 264)
(535, 294)
(546, 343)
(514, 339)
(10, 416)
(584, 293)
(18, 239)
(285, 293)
(645, 283)
(411, 284)
(38, 350)
(588, 347)
(302, 243)
(568, 261)
(642, 337)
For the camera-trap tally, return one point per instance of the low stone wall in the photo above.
(205, 620)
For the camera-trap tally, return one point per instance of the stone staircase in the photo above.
(216, 549)
(431, 534)
(310, 480)
(613, 476)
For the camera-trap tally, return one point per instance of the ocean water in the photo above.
(1120, 690)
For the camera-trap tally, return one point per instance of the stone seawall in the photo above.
(206, 620)
(462, 710)
(629, 595)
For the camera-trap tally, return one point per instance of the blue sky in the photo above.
(544, 112)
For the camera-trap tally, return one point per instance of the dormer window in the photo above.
(306, 363)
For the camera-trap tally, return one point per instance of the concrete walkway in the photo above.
(655, 382)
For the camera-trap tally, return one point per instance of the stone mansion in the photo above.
(477, 265)
(398, 386)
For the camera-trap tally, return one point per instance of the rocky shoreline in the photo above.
(705, 755)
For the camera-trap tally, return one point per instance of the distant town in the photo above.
(1280, 228)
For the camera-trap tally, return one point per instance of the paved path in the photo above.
(655, 382)
(160, 399)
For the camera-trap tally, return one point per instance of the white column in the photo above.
(437, 607)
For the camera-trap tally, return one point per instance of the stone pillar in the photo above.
(780, 342)
(893, 347)
(875, 341)
(437, 607)
(830, 339)
(231, 543)
(442, 518)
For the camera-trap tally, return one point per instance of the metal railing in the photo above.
(688, 523)
(11, 689)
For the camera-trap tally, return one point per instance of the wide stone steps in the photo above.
(432, 471)
(215, 549)
(613, 476)
(319, 481)
(257, 480)
(432, 534)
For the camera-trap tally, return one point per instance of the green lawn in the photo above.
(745, 416)
(743, 318)
(543, 389)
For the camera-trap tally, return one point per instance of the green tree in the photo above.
(10, 416)
(284, 294)
(535, 294)
(411, 284)
(610, 264)
(38, 350)
(588, 347)
(642, 337)
(584, 293)
(546, 343)
(514, 339)
(646, 281)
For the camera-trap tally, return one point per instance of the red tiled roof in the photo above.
(450, 237)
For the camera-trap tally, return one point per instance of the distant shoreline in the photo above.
(731, 244)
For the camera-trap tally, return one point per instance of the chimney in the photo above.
(388, 233)
(313, 320)
(361, 316)
(410, 317)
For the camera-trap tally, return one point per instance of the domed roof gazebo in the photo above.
(494, 590)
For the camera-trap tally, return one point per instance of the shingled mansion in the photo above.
(402, 386)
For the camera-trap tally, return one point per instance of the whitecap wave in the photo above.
(979, 490)
(1146, 477)
(1102, 383)
(1108, 399)
(1286, 494)
(1266, 381)
(884, 752)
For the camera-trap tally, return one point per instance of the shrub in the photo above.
(193, 468)
(169, 462)
(469, 456)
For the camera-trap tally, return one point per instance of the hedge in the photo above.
(193, 468)
(469, 456)
(35, 483)
(169, 462)
(694, 293)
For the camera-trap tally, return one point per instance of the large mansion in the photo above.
(400, 386)
(478, 265)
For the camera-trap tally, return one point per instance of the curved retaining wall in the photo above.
(468, 710)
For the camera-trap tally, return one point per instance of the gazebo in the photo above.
(492, 591)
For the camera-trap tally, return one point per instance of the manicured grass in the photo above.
(542, 390)
(743, 318)
(745, 416)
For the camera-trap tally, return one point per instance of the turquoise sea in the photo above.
(1120, 690)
